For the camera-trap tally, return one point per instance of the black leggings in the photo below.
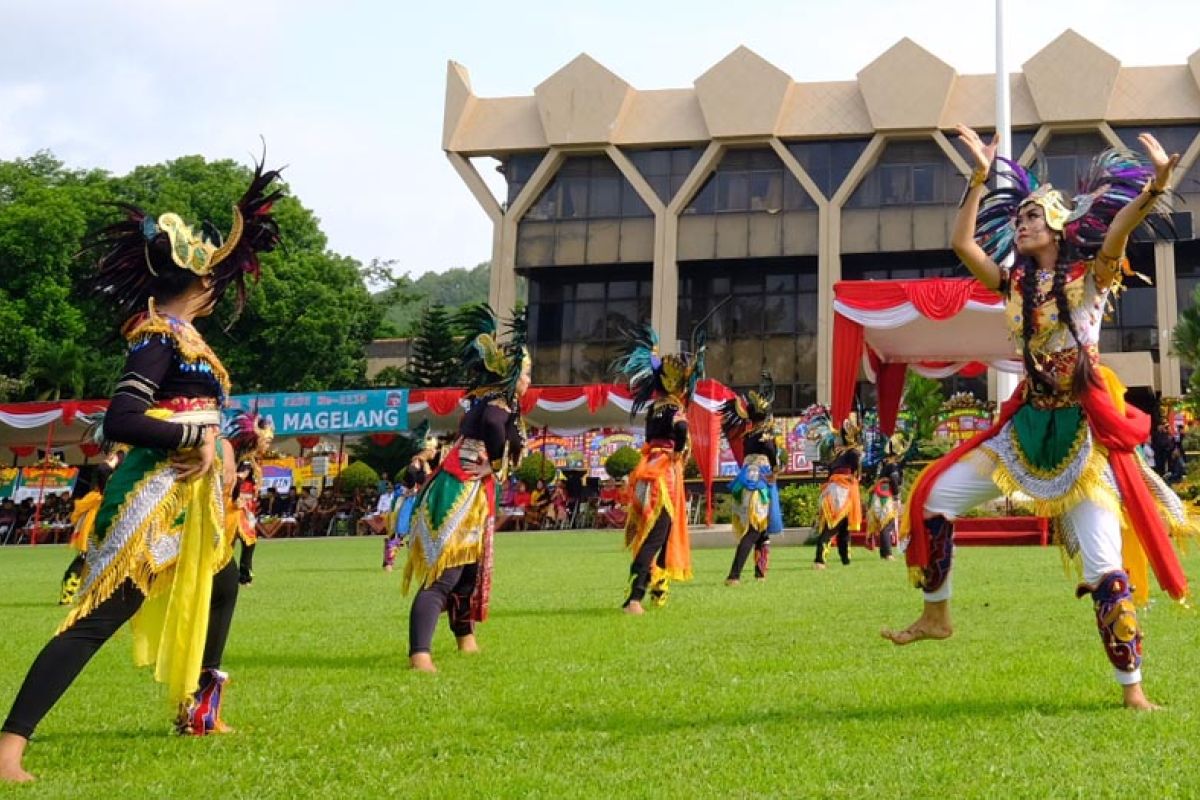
(842, 532)
(451, 592)
(65, 656)
(246, 568)
(655, 545)
(751, 539)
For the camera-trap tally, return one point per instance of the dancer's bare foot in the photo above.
(222, 727)
(818, 565)
(12, 750)
(889, 558)
(762, 579)
(634, 607)
(467, 644)
(934, 623)
(387, 568)
(422, 662)
(732, 582)
(1135, 699)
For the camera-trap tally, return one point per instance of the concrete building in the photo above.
(625, 204)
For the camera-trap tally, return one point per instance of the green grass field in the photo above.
(780, 689)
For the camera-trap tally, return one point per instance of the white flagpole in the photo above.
(1006, 382)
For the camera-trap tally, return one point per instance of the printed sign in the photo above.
(324, 413)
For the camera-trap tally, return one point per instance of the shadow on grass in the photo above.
(924, 711)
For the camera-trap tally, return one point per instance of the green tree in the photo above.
(307, 321)
(453, 289)
(435, 351)
(1185, 342)
(46, 211)
(57, 366)
(923, 398)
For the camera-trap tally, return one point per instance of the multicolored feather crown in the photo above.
(140, 248)
(1115, 179)
(491, 365)
(652, 376)
(249, 431)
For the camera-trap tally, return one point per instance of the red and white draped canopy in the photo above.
(934, 326)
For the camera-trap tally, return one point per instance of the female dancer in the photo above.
(1066, 438)
(451, 552)
(250, 435)
(656, 526)
(839, 510)
(883, 506)
(412, 480)
(158, 537)
(749, 426)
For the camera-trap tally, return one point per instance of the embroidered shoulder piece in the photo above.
(194, 353)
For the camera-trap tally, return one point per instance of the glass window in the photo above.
(589, 290)
(925, 183)
(733, 191)
(632, 204)
(622, 289)
(604, 197)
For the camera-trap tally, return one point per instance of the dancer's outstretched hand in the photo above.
(982, 154)
(1164, 165)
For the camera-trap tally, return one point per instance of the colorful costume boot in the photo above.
(202, 713)
(1116, 617)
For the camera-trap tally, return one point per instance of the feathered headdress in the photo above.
(247, 431)
(140, 248)
(652, 376)
(490, 365)
(742, 414)
(1116, 177)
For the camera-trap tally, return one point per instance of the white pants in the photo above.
(968, 483)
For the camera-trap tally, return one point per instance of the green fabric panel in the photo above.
(440, 495)
(1047, 436)
(137, 464)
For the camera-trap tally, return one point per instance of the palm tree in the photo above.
(56, 367)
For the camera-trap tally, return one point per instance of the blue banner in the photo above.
(324, 413)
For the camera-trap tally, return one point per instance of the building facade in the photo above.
(626, 205)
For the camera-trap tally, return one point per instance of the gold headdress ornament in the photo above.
(1053, 205)
(189, 250)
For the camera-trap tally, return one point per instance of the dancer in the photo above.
(1066, 438)
(158, 534)
(883, 506)
(656, 526)
(251, 436)
(450, 556)
(407, 489)
(749, 426)
(839, 508)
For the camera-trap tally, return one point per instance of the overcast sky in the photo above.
(349, 94)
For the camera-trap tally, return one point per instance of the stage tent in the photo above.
(935, 326)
